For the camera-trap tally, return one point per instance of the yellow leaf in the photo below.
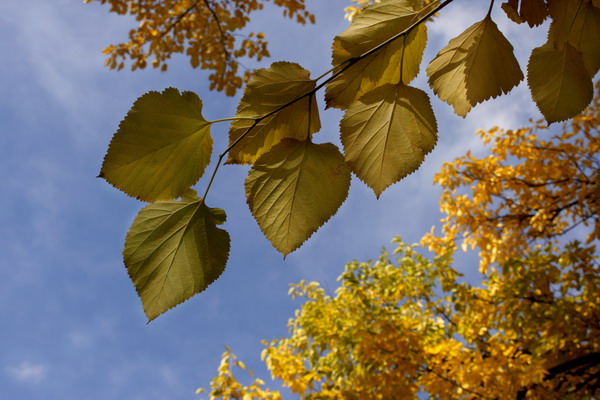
(387, 133)
(370, 28)
(476, 65)
(240, 364)
(559, 81)
(161, 148)
(511, 8)
(268, 90)
(294, 189)
(174, 250)
(577, 22)
(534, 12)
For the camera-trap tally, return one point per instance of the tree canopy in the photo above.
(409, 323)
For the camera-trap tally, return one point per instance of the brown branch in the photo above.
(218, 22)
(456, 384)
(336, 71)
(577, 365)
(178, 19)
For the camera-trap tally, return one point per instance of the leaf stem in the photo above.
(489, 13)
(232, 119)
(310, 100)
(214, 173)
(325, 73)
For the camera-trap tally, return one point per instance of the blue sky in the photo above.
(71, 325)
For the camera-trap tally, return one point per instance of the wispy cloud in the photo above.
(27, 372)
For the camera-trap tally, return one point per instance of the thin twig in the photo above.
(178, 19)
(218, 22)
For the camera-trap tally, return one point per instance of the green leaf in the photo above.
(268, 90)
(373, 26)
(174, 250)
(534, 12)
(476, 65)
(387, 133)
(577, 22)
(161, 148)
(559, 81)
(294, 189)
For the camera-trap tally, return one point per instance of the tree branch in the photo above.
(334, 75)
(178, 19)
(577, 365)
(218, 22)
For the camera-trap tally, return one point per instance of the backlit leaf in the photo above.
(269, 89)
(476, 65)
(534, 12)
(174, 250)
(294, 189)
(373, 26)
(577, 22)
(511, 8)
(387, 133)
(161, 148)
(559, 81)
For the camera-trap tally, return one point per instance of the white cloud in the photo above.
(27, 372)
(80, 339)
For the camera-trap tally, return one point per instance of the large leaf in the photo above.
(294, 189)
(268, 90)
(534, 12)
(387, 133)
(174, 250)
(577, 22)
(399, 60)
(559, 81)
(476, 65)
(161, 148)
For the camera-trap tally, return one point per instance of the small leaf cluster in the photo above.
(226, 387)
(295, 183)
(206, 30)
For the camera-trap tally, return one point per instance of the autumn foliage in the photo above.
(409, 323)
(533, 186)
(298, 180)
(207, 31)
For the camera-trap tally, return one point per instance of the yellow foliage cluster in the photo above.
(206, 30)
(226, 387)
(393, 330)
(528, 189)
(409, 324)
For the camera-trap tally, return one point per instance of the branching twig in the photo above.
(336, 71)
(178, 19)
(218, 23)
